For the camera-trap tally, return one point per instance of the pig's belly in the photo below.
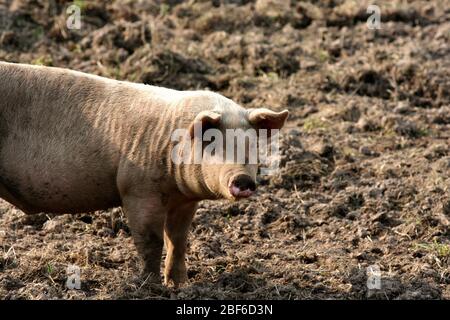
(62, 196)
(58, 185)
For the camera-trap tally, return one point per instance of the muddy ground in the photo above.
(365, 169)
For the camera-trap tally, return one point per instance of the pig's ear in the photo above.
(263, 118)
(206, 119)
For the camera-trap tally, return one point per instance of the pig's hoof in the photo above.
(151, 278)
(176, 281)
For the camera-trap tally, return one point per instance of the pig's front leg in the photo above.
(176, 230)
(146, 216)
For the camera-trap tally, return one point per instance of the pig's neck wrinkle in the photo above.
(189, 178)
(149, 146)
(191, 182)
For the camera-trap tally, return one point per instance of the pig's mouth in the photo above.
(238, 193)
(241, 187)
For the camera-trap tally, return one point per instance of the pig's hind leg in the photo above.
(176, 230)
(146, 218)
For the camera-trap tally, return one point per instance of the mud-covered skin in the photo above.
(364, 170)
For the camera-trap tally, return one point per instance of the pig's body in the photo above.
(66, 137)
(72, 142)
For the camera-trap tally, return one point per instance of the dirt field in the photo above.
(365, 170)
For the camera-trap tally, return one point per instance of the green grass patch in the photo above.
(312, 124)
(441, 250)
(164, 9)
(43, 61)
(80, 4)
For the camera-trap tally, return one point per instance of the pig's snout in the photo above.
(242, 186)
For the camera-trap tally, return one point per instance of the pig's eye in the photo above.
(207, 126)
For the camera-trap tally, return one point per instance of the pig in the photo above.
(72, 142)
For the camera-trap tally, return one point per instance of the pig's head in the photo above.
(221, 178)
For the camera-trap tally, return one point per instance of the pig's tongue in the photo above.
(238, 193)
